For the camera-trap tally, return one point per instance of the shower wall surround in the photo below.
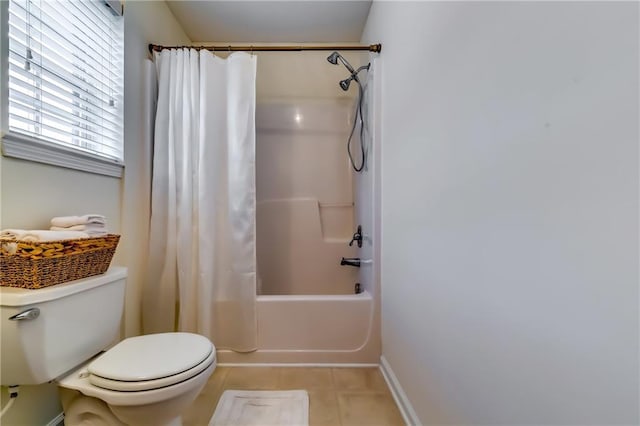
(305, 197)
(305, 187)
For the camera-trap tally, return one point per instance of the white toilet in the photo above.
(58, 333)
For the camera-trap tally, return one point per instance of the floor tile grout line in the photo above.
(337, 405)
(333, 381)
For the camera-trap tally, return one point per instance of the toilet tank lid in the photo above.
(12, 296)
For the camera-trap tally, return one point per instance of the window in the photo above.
(65, 84)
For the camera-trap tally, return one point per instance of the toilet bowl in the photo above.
(142, 380)
(63, 333)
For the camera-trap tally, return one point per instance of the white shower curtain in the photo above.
(202, 257)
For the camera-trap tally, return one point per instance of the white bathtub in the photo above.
(327, 329)
(306, 310)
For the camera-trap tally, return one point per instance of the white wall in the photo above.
(510, 209)
(32, 193)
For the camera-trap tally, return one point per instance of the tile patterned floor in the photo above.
(337, 396)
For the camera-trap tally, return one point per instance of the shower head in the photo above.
(333, 58)
(344, 84)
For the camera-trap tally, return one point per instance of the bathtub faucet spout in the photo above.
(351, 261)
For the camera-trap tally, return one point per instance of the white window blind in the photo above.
(66, 76)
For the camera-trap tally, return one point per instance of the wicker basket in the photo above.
(35, 264)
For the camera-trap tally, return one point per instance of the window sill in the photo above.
(31, 149)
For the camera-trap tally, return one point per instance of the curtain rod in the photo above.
(281, 48)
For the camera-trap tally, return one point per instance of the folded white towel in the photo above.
(92, 229)
(91, 226)
(67, 221)
(41, 235)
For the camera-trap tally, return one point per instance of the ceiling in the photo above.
(272, 21)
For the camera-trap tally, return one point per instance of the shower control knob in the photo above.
(357, 237)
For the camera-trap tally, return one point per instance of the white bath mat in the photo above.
(262, 408)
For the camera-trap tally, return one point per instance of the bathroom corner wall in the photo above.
(31, 193)
(510, 209)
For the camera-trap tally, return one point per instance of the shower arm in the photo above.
(347, 65)
(354, 74)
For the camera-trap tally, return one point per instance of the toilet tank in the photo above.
(76, 320)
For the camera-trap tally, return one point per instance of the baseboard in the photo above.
(57, 420)
(406, 409)
(296, 364)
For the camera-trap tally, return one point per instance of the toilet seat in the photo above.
(78, 380)
(151, 362)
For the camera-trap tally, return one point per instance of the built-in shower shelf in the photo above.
(349, 204)
(311, 238)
